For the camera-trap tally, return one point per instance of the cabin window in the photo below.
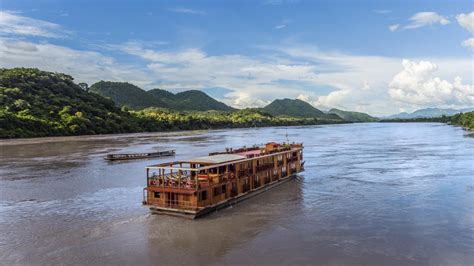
(186, 198)
(157, 195)
(203, 195)
(217, 191)
(223, 188)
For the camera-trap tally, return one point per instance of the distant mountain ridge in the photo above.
(296, 108)
(129, 95)
(126, 94)
(429, 113)
(353, 116)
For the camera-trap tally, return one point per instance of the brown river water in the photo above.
(372, 194)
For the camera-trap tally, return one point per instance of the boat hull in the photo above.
(138, 156)
(193, 214)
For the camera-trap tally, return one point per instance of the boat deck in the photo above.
(203, 184)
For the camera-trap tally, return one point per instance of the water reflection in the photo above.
(216, 235)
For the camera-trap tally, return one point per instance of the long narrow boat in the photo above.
(134, 156)
(200, 185)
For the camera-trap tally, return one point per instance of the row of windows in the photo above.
(157, 195)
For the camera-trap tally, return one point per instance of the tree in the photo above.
(84, 86)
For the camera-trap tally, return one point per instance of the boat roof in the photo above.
(215, 159)
(251, 152)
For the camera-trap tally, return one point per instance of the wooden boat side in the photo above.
(192, 214)
(201, 185)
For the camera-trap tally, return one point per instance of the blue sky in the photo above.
(379, 57)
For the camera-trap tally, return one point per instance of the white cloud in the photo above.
(394, 27)
(416, 85)
(422, 19)
(382, 11)
(359, 82)
(323, 78)
(304, 97)
(468, 43)
(85, 66)
(466, 21)
(355, 82)
(13, 24)
(187, 11)
(283, 24)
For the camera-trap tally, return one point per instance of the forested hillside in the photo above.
(465, 120)
(35, 103)
(296, 108)
(126, 94)
(353, 116)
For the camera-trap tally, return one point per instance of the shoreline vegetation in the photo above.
(35, 103)
(464, 120)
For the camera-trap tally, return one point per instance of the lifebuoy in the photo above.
(154, 182)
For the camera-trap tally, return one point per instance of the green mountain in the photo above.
(193, 100)
(36, 103)
(126, 94)
(353, 116)
(163, 95)
(296, 108)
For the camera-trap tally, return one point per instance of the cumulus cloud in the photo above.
(422, 19)
(359, 82)
(468, 43)
(394, 27)
(13, 24)
(195, 69)
(323, 78)
(466, 21)
(417, 85)
(86, 66)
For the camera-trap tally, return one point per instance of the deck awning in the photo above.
(217, 159)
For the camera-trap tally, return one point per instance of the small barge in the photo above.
(135, 156)
(201, 185)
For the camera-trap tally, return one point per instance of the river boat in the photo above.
(198, 186)
(135, 156)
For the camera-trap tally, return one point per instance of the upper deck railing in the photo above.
(194, 177)
(187, 181)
